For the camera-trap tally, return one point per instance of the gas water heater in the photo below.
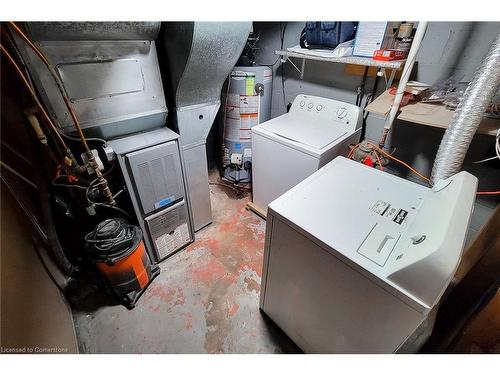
(247, 103)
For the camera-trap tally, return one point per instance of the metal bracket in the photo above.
(301, 71)
(388, 82)
(391, 78)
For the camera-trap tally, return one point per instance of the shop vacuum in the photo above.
(118, 252)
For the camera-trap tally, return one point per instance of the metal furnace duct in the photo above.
(468, 116)
(109, 70)
(199, 57)
(45, 31)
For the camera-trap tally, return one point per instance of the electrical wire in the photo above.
(369, 98)
(109, 233)
(69, 186)
(386, 154)
(349, 156)
(104, 142)
(119, 192)
(87, 190)
(361, 88)
(102, 204)
(379, 161)
(116, 208)
(105, 173)
(497, 149)
(282, 39)
(488, 192)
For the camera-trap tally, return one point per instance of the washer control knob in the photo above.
(302, 103)
(342, 112)
(415, 240)
(319, 107)
(310, 105)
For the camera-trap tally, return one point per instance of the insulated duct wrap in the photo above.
(468, 116)
(66, 31)
(200, 56)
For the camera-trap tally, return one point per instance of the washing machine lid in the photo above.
(307, 131)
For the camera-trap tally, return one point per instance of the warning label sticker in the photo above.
(401, 215)
(248, 104)
(233, 100)
(385, 209)
(169, 242)
(391, 212)
(380, 206)
(241, 116)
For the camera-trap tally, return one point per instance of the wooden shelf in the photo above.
(364, 61)
(428, 114)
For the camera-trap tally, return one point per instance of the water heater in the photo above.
(247, 103)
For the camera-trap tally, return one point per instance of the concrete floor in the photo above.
(482, 334)
(206, 299)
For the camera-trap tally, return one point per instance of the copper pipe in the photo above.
(42, 57)
(103, 183)
(72, 161)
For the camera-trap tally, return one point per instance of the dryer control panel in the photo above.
(319, 108)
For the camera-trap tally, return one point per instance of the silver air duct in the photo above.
(45, 31)
(468, 116)
(109, 70)
(200, 56)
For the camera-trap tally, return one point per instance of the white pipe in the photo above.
(258, 109)
(410, 61)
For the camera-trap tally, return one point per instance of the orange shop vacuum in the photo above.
(118, 252)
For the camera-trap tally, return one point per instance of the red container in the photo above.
(389, 54)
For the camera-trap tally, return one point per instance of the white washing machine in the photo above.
(355, 258)
(288, 148)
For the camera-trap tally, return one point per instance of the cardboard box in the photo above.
(372, 36)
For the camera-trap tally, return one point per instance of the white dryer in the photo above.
(289, 148)
(356, 259)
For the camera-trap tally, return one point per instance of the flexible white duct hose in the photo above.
(468, 116)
